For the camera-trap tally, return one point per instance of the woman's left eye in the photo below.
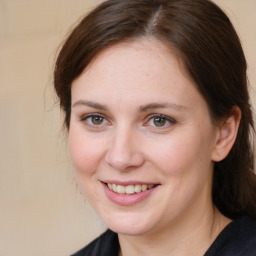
(160, 121)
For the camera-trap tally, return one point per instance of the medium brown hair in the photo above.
(207, 44)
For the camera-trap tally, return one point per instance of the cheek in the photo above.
(183, 154)
(85, 153)
(186, 169)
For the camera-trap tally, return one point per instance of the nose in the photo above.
(124, 150)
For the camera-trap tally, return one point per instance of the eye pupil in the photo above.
(159, 121)
(97, 120)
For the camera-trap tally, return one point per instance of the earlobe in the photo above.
(226, 135)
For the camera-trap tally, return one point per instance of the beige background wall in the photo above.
(41, 211)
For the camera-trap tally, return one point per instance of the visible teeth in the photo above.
(144, 187)
(114, 187)
(130, 189)
(120, 189)
(137, 188)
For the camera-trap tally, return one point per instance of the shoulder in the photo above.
(237, 239)
(105, 245)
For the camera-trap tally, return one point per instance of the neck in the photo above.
(183, 237)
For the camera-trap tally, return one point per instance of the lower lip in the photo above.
(127, 200)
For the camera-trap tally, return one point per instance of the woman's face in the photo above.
(141, 139)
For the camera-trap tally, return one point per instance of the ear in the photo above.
(226, 135)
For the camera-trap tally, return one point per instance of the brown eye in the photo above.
(94, 120)
(159, 121)
(97, 120)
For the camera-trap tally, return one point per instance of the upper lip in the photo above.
(130, 182)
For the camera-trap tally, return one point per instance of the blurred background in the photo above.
(41, 210)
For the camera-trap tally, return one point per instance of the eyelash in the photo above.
(151, 117)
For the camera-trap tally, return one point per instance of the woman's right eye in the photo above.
(94, 120)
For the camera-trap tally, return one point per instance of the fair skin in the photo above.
(138, 119)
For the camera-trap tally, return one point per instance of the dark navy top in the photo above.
(236, 239)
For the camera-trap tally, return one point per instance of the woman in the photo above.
(158, 116)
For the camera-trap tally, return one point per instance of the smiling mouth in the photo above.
(130, 189)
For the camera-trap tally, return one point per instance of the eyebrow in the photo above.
(142, 108)
(161, 105)
(89, 104)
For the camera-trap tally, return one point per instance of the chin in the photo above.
(132, 224)
(128, 230)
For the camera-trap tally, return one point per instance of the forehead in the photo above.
(143, 69)
(148, 57)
